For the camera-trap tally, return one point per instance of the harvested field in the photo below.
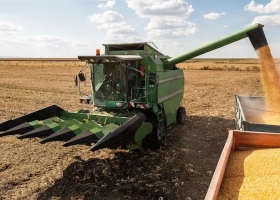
(234, 64)
(182, 168)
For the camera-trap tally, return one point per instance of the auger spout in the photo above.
(254, 32)
(257, 38)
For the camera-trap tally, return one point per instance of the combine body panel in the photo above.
(136, 90)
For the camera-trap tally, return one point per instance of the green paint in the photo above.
(170, 108)
(142, 132)
(112, 92)
(91, 124)
(54, 126)
(132, 146)
(212, 46)
(108, 128)
(97, 132)
(76, 129)
(83, 111)
(59, 124)
(169, 86)
(97, 117)
(110, 104)
(167, 90)
(35, 124)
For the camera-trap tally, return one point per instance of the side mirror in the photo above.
(76, 81)
(82, 77)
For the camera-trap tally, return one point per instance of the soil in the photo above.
(181, 169)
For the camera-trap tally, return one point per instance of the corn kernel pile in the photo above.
(251, 175)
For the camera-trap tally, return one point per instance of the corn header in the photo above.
(136, 91)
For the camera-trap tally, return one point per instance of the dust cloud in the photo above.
(252, 107)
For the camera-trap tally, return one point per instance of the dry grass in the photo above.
(37, 82)
(224, 64)
(182, 168)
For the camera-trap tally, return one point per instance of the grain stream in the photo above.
(271, 88)
(270, 79)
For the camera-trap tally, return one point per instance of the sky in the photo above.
(68, 28)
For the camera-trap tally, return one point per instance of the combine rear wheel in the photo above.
(181, 115)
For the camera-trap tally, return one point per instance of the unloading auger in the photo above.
(137, 92)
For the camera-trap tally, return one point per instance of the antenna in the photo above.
(153, 44)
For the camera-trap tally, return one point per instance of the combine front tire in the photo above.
(181, 115)
(153, 140)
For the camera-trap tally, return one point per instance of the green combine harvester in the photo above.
(136, 91)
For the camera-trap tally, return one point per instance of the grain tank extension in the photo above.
(136, 91)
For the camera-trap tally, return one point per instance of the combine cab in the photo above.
(136, 92)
